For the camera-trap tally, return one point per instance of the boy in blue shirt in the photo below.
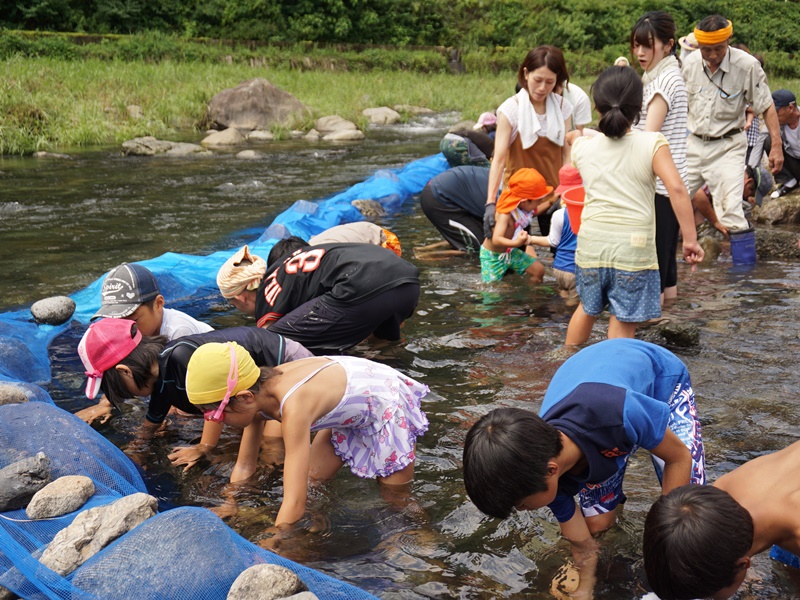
(604, 403)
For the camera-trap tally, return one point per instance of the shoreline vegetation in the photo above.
(71, 90)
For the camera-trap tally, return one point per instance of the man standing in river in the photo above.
(722, 82)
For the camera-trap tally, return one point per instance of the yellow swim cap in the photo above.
(208, 370)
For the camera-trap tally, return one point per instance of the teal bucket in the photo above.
(743, 247)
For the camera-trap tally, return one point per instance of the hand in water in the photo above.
(99, 412)
(188, 455)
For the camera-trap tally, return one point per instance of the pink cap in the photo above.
(486, 118)
(568, 177)
(104, 344)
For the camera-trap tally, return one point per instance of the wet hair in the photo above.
(140, 362)
(693, 538)
(505, 459)
(713, 23)
(284, 247)
(544, 56)
(652, 26)
(617, 96)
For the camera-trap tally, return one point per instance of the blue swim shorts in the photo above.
(600, 498)
(631, 296)
(496, 264)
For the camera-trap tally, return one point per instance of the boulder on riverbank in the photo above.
(779, 211)
(382, 115)
(229, 137)
(255, 104)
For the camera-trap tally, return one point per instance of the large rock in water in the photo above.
(255, 104)
(266, 582)
(55, 310)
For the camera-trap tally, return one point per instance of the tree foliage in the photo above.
(574, 25)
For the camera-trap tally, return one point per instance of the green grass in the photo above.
(54, 103)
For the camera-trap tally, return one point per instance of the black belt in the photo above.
(728, 134)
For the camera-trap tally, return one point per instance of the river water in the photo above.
(63, 223)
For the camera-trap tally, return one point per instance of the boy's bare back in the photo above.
(769, 488)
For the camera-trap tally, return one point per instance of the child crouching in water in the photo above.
(365, 414)
(522, 200)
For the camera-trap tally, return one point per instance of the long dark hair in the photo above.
(544, 56)
(652, 26)
(617, 96)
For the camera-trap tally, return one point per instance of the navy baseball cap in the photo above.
(125, 289)
(783, 98)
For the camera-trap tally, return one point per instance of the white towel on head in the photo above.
(529, 126)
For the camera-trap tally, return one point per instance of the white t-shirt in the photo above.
(581, 105)
(670, 86)
(177, 324)
(792, 143)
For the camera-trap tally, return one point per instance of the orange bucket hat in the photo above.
(524, 184)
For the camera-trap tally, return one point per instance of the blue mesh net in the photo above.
(168, 555)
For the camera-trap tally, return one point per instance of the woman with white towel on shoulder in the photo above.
(531, 127)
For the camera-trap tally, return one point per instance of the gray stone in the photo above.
(229, 137)
(94, 529)
(186, 149)
(382, 115)
(312, 136)
(145, 146)
(60, 497)
(348, 135)
(255, 104)
(776, 244)
(413, 110)
(266, 582)
(296, 134)
(51, 155)
(369, 208)
(249, 155)
(672, 335)
(12, 394)
(19, 481)
(55, 310)
(260, 136)
(331, 123)
(784, 210)
(6, 594)
(711, 247)
(134, 112)
(303, 596)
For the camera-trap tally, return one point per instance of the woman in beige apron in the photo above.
(531, 127)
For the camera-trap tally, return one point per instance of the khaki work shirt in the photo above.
(717, 102)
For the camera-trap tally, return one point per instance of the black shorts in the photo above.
(324, 328)
(464, 231)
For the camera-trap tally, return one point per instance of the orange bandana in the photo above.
(711, 38)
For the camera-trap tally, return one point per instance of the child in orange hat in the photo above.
(523, 199)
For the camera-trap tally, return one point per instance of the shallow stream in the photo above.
(63, 223)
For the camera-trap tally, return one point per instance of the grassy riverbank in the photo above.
(51, 103)
(48, 104)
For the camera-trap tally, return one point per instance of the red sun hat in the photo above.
(568, 178)
(103, 346)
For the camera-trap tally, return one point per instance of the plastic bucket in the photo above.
(743, 246)
(573, 199)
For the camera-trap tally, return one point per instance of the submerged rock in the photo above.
(266, 582)
(249, 155)
(19, 481)
(776, 243)
(350, 135)
(332, 123)
(55, 310)
(62, 496)
(369, 208)
(672, 335)
(711, 247)
(260, 136)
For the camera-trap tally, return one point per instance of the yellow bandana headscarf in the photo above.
(207, 373)
(242, 271)
(710, 38)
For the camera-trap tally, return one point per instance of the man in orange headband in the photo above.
(722, 81)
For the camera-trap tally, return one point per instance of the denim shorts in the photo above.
(600, 498)
(631, 296)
